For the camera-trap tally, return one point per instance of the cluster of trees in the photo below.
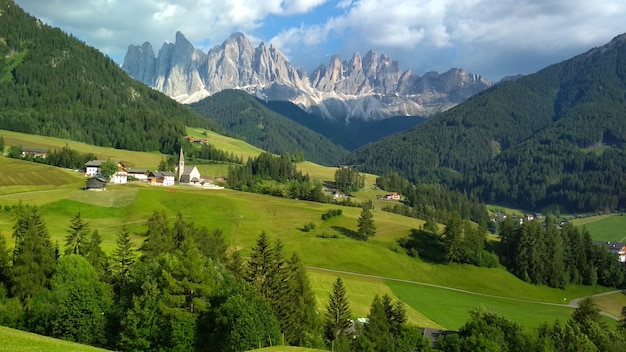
(385, 328)
(461, 242)
(431, 202)
(557, 257)
(554, 138)
(208, 154)
(65, 157)
(349, 179)
(584, 331)
(276, 176)
(245, 117)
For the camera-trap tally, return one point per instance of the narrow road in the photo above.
(572, 304)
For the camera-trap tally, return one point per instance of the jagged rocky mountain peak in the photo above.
(367, 87)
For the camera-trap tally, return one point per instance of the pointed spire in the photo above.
(181, 163)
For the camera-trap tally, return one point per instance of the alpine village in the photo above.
(238, 220)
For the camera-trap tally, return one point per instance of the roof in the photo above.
(33, 150)
(97, 163)
(188, 169)
(137, 171)
(161, 173)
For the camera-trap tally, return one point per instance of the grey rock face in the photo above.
(369, 87)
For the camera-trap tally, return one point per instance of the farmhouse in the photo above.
(139, 174)
(334, 192)
(619, 249)
(34, 153)
(92, 168)
(392, 196)
(96, 184)
(161, 178)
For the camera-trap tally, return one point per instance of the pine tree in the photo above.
(365, 224)
(304, 316)
(5, 263)
(33, 261)
(158, 236)
(377, 328)
(96, 256)
(123, 257)
(453, 238)
(75, 241)
(337, 311)
(259, 264)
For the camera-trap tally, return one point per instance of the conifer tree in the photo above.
(377, 328)
(76, 239)
(33, 261)
(453, 238)
(158, 236)
(258, 266)
(337, 311)
(5, 263)
(95, 255)
(304, 317)
(123, 257)
(365, 224)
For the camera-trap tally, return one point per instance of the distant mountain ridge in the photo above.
(368, 87)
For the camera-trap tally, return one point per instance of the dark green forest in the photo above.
(351, 135)
(554, 139)
(55, 85)
(244, 117)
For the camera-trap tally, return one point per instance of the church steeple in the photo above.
(181, 164)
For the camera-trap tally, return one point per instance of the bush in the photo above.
(331, 213)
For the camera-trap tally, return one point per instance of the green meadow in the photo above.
(21, 341)
(610, 227)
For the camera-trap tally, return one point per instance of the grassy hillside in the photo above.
(553, 139)
(605, 227)
(21, 341)
(242, 115)
(53, 84)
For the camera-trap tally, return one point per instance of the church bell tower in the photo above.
(181, 164)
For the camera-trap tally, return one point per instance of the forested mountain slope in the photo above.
(554, 138)
(53, 84)
(242, 115)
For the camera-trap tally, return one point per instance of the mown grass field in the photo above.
(133, 159)
(20, 341)
(610, 227)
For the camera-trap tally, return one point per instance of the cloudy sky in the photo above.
(494, 38)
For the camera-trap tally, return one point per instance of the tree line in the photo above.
(556, 256)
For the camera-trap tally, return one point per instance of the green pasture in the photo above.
(450, 309)
(236, 146)
(608, 227)
(360, 291)
(132, 158)
(243, 216)
(612, 303)
(22, 176)
(22, 341)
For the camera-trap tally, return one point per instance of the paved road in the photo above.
(572, 304)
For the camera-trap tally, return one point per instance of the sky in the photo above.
(493, 38)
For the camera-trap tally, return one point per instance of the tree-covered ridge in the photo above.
(554, 138)
(53, 84)
(242, 115)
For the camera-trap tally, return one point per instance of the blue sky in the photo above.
(494, 38)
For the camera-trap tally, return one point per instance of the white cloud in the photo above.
(480, 35)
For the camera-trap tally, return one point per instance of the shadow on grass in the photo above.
(346, 232)
(428, 246)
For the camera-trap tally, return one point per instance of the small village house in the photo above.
(161, 178)
(392, 196)
(34, 153)
(92, 168)
(95, 184)
(138, 174)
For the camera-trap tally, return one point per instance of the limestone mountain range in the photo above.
(371, 87)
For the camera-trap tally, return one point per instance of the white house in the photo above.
(139, 174)
(92, 168)
(163, 178)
